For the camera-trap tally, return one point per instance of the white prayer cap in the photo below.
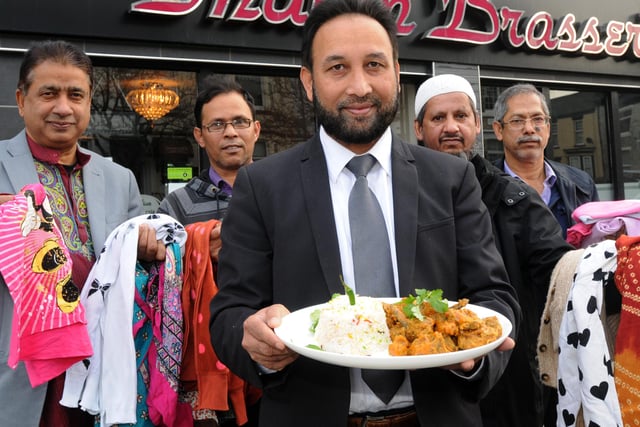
(441, 84)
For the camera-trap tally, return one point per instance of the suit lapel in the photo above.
(405, 207)
(20, 168)
(317, 196)
(95, 193)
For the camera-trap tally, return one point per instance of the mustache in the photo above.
(529, 138)
(450, 136)
(369, 99)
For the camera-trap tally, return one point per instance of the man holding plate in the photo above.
(288, 240)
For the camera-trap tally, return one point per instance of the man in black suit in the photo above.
(286, 239)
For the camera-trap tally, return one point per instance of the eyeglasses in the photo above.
(220, 126)
(518, 124)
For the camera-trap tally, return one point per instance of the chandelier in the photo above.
(153, 101)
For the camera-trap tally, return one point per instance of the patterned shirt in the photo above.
(65, 191)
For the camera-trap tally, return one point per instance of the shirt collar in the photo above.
(338, 156)
(217, 180)
(52, 156)
(550, 175)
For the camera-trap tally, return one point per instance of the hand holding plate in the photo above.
(262, 344)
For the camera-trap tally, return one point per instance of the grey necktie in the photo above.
(371, 260)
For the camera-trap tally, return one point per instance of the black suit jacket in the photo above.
(280, 246)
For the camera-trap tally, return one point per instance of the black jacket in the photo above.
(576, 187)
(530, 241)
(280, 246)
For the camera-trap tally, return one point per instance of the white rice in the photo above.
(359, 329)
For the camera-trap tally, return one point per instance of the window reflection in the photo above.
(629, 114)
(152, 152)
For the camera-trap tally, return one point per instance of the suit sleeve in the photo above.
(244, 279)
(135, 201)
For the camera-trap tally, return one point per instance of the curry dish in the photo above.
(458, 328)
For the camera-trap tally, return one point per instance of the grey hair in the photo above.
(500, 108)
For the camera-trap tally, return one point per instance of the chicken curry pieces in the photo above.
(431, 331)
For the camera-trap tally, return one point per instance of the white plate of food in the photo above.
(296, 333)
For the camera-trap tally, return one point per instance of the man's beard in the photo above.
(356, 130)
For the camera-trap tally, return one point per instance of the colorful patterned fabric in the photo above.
(157, 376)
(106, 384)
(627, 352)
(49, 328)
(65, 191)
(165, 353)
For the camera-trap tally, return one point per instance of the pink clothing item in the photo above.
(48, 328)
(596, 221)
(165, 352)
(577, 233)
(606, 228)
(589, 213)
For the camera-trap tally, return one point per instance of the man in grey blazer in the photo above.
(286, 239)
(91, 193)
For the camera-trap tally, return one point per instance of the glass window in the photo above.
(149, 139)
(154, 149)
(582, 138)
(578, 128)
(630, 143)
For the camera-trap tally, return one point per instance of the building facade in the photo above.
(583, 55)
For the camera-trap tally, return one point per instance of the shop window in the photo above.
(489, 96)
(629, 114)
(582, 162)
(122, 128)
(577, 116)
(578, 130)
(553, 138)
(253, 85)
(487, 123)
(587, 164)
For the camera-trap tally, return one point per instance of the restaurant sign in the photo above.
(461, 20)
(539, 31)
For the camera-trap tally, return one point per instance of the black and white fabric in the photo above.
(105, 383)
(585, 366)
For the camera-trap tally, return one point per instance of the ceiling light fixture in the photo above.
(153, 101)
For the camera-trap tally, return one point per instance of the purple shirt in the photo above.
(219, 182)
(548, 183)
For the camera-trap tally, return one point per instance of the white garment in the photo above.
(107, 384)
(585, 367)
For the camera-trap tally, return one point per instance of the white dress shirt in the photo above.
(341, 181)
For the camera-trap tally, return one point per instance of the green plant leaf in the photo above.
(315, 318)
(349, 292)
(411, 304)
